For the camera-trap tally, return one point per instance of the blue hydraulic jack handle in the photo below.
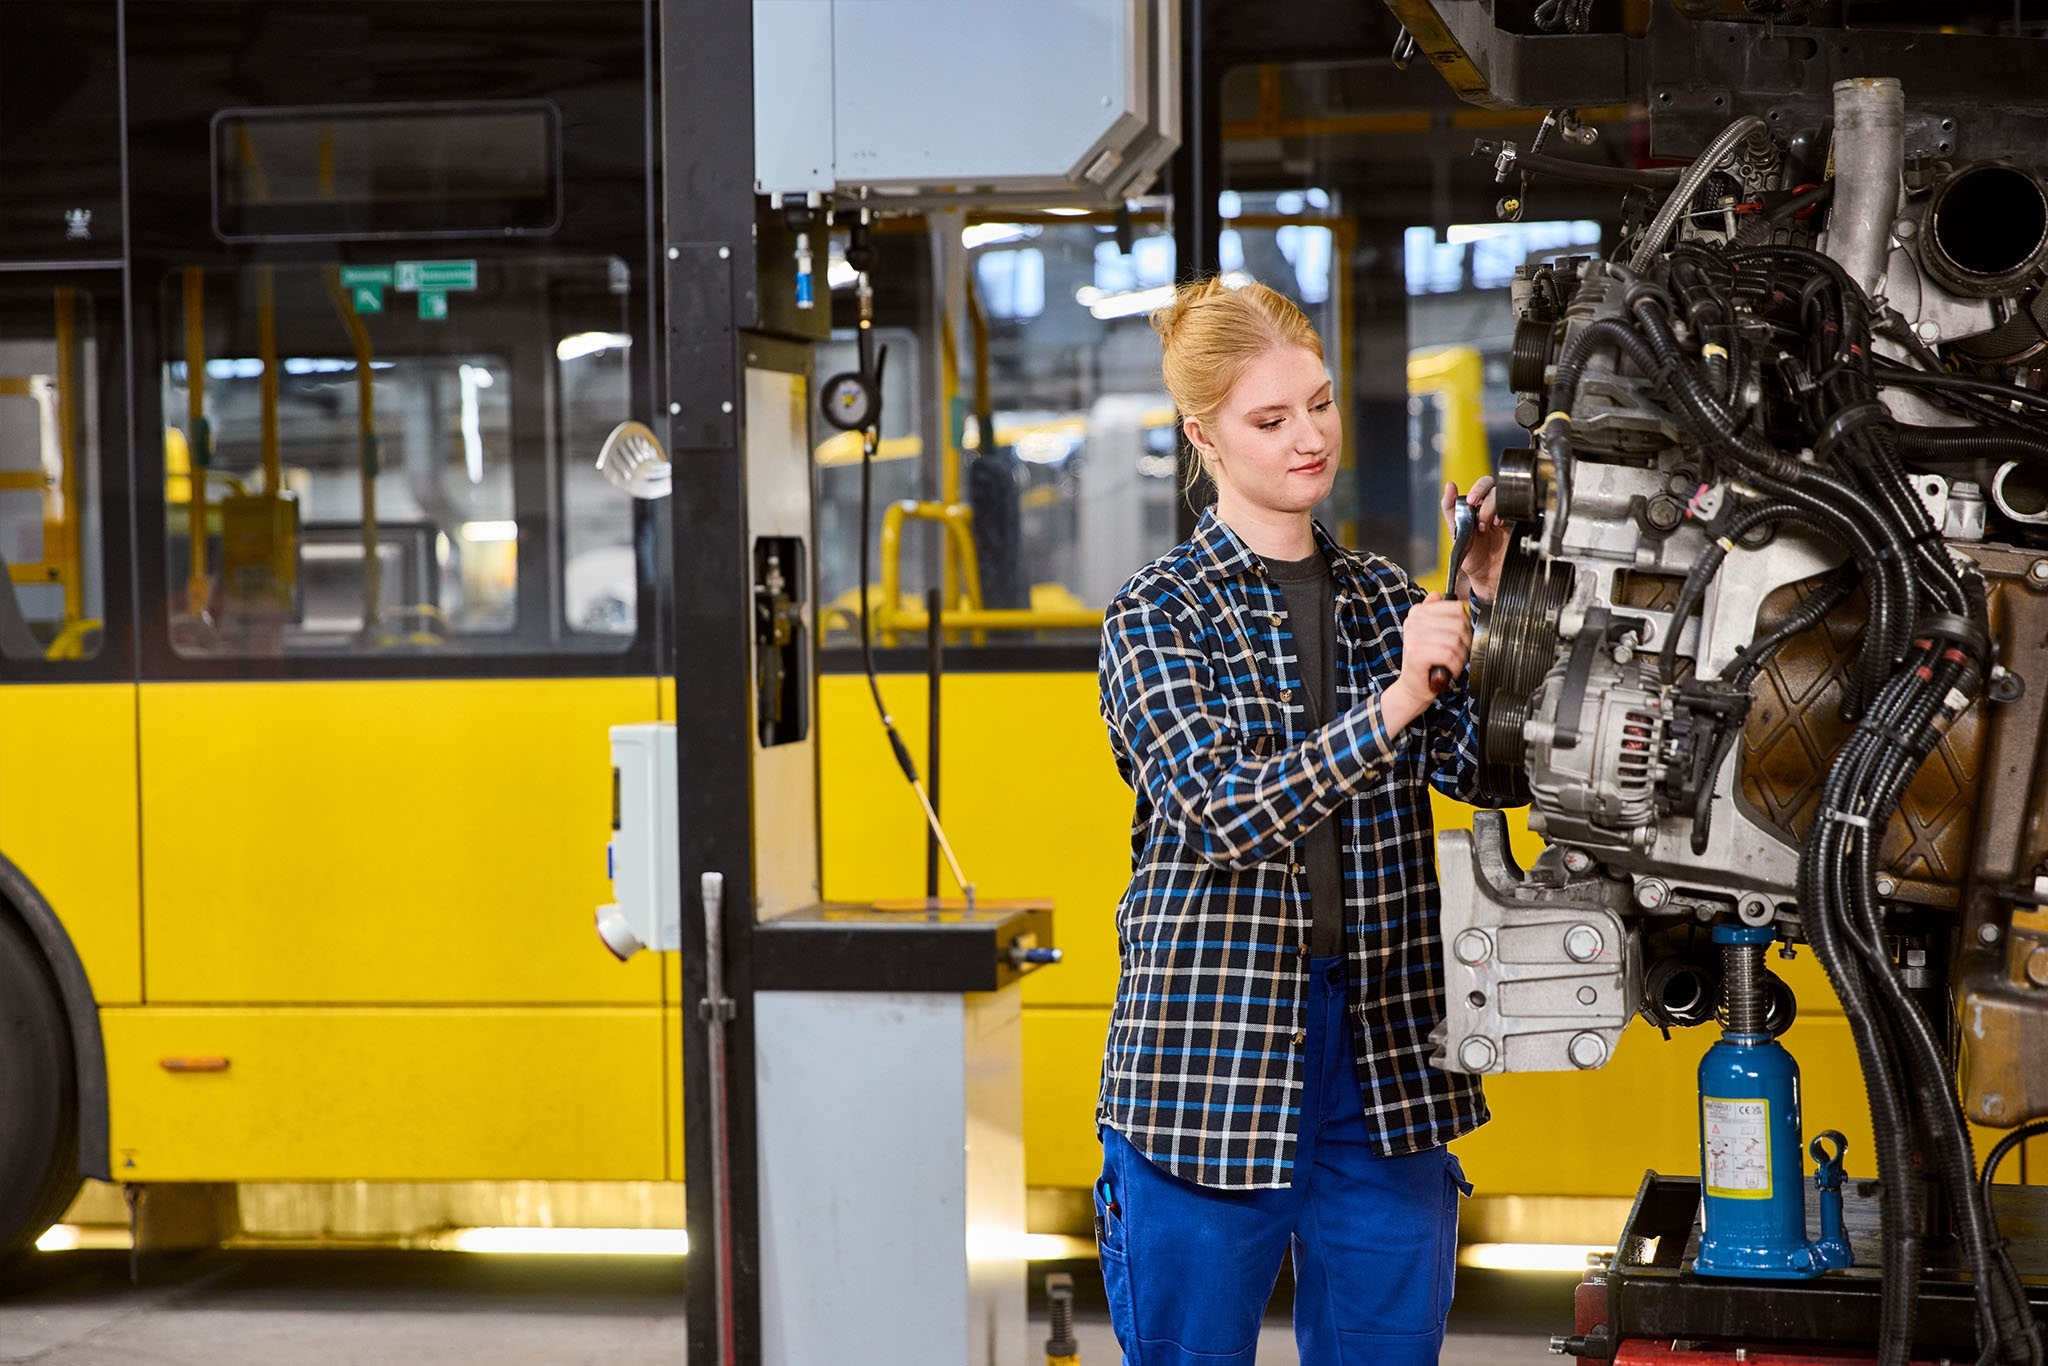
(1752, 1178)
(1831, 1249)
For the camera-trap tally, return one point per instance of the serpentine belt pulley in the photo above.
(1510, 656)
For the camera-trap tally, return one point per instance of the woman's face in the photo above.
(1274, 443)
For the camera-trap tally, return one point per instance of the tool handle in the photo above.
(1464, 521)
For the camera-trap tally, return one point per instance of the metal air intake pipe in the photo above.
(1870, 153)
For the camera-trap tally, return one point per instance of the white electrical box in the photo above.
(1052, 101)
(642, 858)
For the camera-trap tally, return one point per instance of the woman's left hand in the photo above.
(1489, 549)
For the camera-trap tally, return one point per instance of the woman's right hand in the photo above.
(1437, 632)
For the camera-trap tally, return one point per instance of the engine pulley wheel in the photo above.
(1535, 344)
(1510, 657)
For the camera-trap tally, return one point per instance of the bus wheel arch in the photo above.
(57, 1020)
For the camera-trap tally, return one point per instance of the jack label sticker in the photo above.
(1737, 1138)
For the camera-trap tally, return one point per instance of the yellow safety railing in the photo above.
(890, 617)
(1451, 376)
(957, 520)
(63, 558)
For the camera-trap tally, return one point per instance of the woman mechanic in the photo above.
(1267, 1080)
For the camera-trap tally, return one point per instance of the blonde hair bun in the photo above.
(1186, 297)
(1212, 331)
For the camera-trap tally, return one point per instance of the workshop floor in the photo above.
(243, 1307)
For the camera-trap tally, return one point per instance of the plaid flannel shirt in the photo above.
(1202, 694)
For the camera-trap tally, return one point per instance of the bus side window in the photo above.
(394, 459)
(51, 593)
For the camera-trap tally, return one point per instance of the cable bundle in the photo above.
(1716, 334)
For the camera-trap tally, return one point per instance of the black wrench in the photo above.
(1464, 521)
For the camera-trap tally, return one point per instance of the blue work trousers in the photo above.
(1189, 1269)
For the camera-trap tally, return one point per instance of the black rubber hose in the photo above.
(1970, 443)
(1898, 1186)
(2000, 1150)
(1832, 593)
(1571, 364)
(1882, 772)
(1722, 533)
(2009, 1325)
(1907, 377)
(1594, 173)
(1806, 198)
(1893, 596)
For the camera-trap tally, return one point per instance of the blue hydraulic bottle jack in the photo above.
(1751, 1163)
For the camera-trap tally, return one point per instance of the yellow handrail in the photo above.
(366, 442)
(958, 521)
(197, 586)
(889, 617)
(70, 546)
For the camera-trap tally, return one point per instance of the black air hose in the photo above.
(1571, 365)
(1951, 444)
(1594, 173)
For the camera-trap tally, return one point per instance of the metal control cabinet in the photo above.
(892, 1176)
(894, 96)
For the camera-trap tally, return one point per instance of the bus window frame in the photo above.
(169, 149)
(558, 177)
(114, 660)
(538, 515)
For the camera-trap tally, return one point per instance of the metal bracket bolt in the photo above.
(1583, 943)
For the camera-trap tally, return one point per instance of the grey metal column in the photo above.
(707, 102)
(1197, 175)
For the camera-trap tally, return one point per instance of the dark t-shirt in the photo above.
(1311, 594)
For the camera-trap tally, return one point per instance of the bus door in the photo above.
(67, 690)
(385, 315)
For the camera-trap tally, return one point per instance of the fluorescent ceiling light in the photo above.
(590, 343)
(1127, 304)
(326, 365)
(1528, 1256)
(989, 234)
(479, 533)
(475, 377)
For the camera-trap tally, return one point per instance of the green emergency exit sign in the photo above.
(416, 276)
(365, 286)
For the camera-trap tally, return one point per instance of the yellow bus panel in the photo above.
(1031, 801)
(377, 842)
(399, 1094)
(1062, 1068)
(67, 819)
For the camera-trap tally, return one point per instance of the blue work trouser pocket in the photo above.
(1114, 1260)
(1455, 1188)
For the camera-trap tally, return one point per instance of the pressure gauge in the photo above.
(850, 401)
